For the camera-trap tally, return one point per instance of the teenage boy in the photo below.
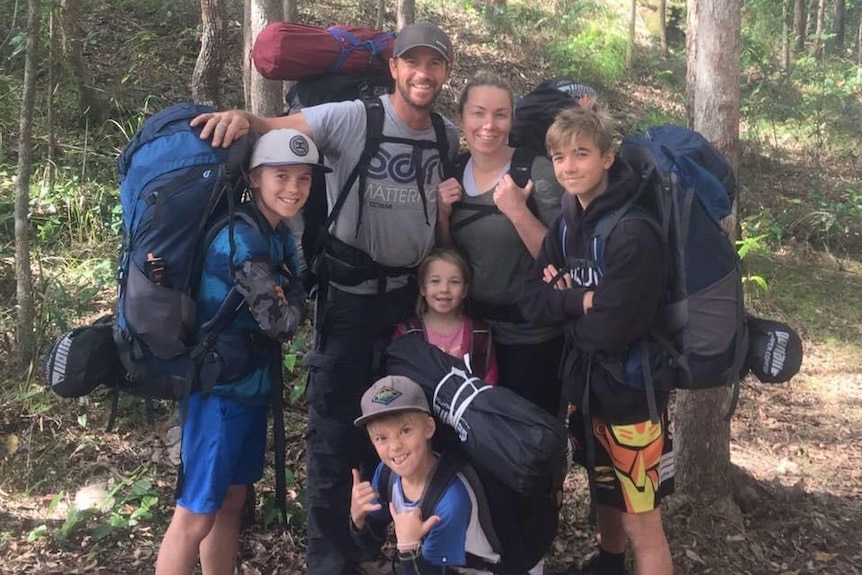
(224, 433)
(399, 423)
(629, 457)
(381, 230)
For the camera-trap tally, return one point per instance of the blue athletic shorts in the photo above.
(223, 444)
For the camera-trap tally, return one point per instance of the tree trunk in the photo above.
(291, 10)
(690, 59)
(786, 27)
(630, 47)
(799, 26)
(702, 434)
(406, 13)
(264, 96)
(23, 275)
(206, 78)
(73, 48)
(49, 103)
(818, 33)
(859, 91)
(838, 26)
(380, 21)
(662, 25)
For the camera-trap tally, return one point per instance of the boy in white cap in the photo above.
(224, 430)
(399, 423)
(385, 227)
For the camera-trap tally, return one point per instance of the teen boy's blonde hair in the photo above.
(577, 121)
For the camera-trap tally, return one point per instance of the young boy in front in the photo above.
(224, 431)
(603, 312)
(396, 415)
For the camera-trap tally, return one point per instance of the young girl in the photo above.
(443, 279)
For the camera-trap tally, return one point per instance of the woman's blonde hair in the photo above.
(450, 255)
(485, 78)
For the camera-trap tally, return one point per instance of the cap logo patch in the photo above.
(299, 146)
(386, 395)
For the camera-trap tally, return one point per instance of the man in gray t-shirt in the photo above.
(391, 223)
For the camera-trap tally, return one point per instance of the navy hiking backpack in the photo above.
(176, 191)
(687, 187)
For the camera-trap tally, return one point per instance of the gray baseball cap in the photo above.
(422, 34)
(285, 147)
(391, 394)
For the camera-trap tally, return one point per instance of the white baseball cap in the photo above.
(284, 147)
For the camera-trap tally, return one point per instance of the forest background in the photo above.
(75, 499)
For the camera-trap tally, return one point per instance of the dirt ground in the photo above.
(798, 501)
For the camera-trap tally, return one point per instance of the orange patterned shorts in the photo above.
(634, 462)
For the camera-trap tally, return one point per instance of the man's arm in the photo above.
(225, 127)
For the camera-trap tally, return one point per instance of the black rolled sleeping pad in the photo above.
(501, 432)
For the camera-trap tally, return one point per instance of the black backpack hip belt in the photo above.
(350, 266)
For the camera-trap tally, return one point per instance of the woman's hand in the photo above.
(510, 199)
(223, 127)
(409, 527)
(361, 500)
(448, 192)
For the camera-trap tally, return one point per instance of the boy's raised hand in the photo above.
(362, 498)
(409, 527)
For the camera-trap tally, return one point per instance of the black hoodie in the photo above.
(626, 302)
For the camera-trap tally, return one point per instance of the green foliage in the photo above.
(295, 514)
(290, 362)
(827, 220)
(594, 52)
(126, 506)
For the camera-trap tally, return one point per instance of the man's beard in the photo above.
(404, 92)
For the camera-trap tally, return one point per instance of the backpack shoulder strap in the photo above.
(442, 138)
(480, 346)
(449, 464)
(384, 486)
(521, 165)
(374, 117)
(413, 324)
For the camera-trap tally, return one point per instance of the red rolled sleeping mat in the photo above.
(502, 433)
(293, 51)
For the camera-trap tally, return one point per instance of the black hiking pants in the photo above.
(350, 331)
(531, 371)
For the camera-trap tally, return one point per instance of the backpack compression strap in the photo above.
(520, 169)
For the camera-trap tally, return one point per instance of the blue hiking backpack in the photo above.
(686, 188)
(176, 191)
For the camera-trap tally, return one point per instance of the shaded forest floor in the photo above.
(797, 448)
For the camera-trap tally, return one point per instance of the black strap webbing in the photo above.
(520, 169)
(278, 438)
